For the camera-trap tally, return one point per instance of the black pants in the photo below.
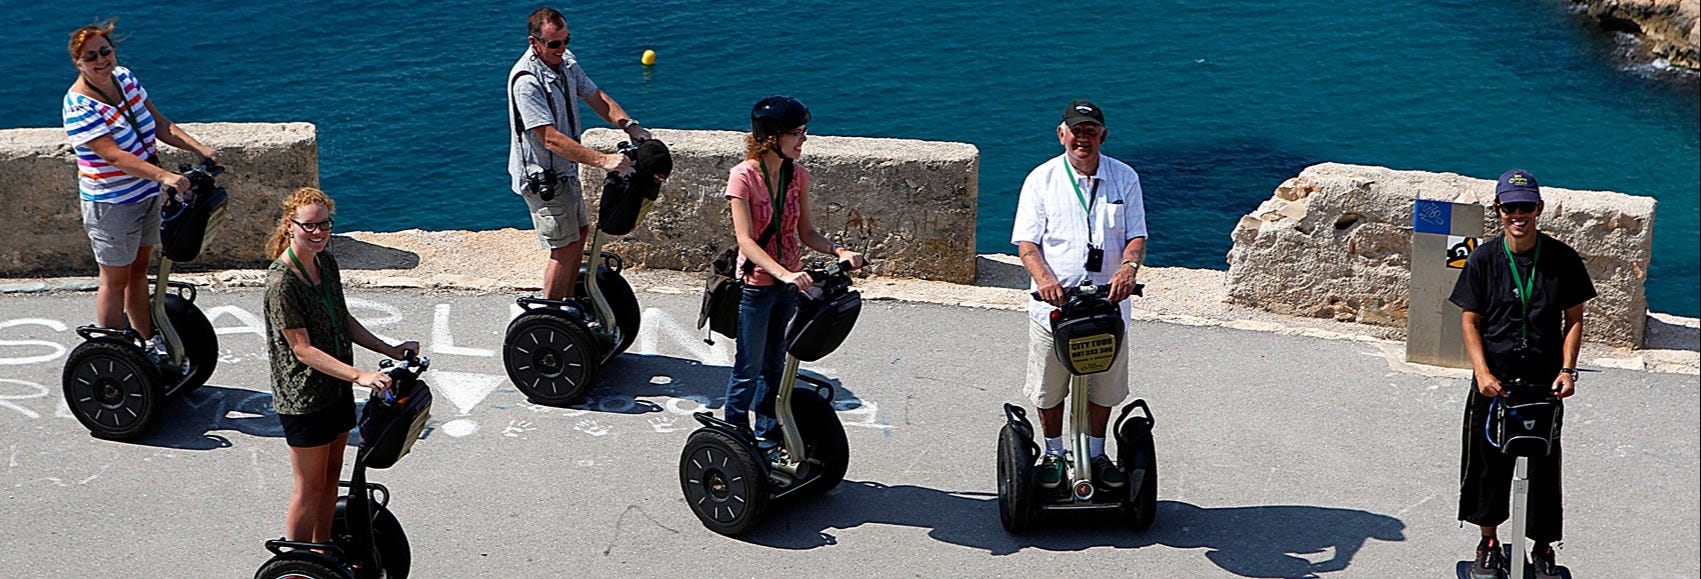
(1485, 479)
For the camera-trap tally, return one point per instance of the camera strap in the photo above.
(514, 105)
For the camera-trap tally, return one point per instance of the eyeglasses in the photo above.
(1521, 207)
(799, 132)
(315, 226)
(554, 44)
(94, 55)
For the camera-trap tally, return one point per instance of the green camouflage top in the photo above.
(292, 303)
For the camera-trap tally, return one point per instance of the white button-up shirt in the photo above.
(1050, 215)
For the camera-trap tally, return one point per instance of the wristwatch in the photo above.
(628, 123)
(1571, 371)
(1136, 264)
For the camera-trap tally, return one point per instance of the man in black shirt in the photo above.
(1522, 295)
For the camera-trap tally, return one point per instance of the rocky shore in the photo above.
(1670, 30)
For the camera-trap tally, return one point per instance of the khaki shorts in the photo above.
(118, 232)
(559, 220)
(1048, 379)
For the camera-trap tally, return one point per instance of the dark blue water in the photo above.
(1214, 103)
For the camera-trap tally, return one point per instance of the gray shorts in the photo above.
(1048, 379)
(558, 220)
(119, 232)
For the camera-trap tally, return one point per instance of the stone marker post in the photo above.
(1443, 236)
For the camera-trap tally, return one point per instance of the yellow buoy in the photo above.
(649, 57)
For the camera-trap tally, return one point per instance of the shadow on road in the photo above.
(629, 380)
(190, 422)
(1251, 541)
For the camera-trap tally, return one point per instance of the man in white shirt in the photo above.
(1080, 217)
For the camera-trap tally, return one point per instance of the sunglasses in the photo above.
(799, 132)
(1521, 207)
(554, 44)
(94, 55)
(315, 226)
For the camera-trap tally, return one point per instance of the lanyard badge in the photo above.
(1095, 253)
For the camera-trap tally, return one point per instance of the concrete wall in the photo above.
(908, 205)
(1336, 242)
(41, 230)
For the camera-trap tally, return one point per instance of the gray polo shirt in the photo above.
(534, 95)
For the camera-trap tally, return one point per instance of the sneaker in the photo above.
(1491, 559)
(1049, 473)
(1542, 561)
(155, 351)
(1107, 473)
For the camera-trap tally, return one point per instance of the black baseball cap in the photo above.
(1083, 112)
(1517, 186)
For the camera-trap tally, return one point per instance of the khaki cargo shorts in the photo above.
(118, 232)
(559, 220)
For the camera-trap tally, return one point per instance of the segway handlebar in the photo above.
(1088, 290)
(403, 372)
(200, 176)
(832, 279)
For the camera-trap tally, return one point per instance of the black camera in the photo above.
(542, 184)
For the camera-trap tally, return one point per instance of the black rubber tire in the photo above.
(551, 359)
(112, 389)
(723, 482)
(387, 537)
(621, 299)
(1016, 487)
(1139, 462)
(823, 439)
(200, 341)
(288, 567)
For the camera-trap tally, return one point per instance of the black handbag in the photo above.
(390, 424)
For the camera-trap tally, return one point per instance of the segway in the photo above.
(367, 541)
(1523, 423)
(109, 382)
(1088, 335)
(554, 348)
(727, 481)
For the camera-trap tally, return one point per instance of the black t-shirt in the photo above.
(1487, 288)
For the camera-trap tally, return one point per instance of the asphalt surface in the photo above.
(1279, 456)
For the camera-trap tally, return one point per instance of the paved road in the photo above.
(1281, 456)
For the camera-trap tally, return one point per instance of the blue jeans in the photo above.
(763, 312)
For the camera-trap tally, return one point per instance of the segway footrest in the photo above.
(738, 431)
(126, 334)
(277, 546)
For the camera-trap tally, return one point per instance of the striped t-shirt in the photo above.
(87, 119)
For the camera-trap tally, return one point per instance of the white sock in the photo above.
(1054, 446)
(1095, 446)
(157, 342)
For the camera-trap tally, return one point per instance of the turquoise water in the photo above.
(1214, 103)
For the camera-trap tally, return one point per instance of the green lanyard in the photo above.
(324, 292)
(1084, 204)
(777, 199)
(1524, 290)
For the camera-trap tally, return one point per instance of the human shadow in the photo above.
(356, 254)
(1249, 541)
(1663, 335)
(996, 273)
(629, 380)
(192, 421)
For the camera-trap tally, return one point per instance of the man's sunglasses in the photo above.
(554, 44)
(1521, 207)
(315, 226)
(94, 55)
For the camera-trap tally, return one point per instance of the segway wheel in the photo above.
(551, 359)
(724, 485)
(298, 565)
(1140, 465)
(1016, 487)
(387, 538)
(621, 300)
(200, 342)
(111, 388)
(823, 439)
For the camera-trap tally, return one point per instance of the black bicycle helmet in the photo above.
(777, 114)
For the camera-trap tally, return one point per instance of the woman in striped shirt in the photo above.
(115, 129)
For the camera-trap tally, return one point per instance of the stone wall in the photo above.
(1336, 242)
(910, 206)
(41, 230)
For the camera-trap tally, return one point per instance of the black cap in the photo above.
(1083, 112)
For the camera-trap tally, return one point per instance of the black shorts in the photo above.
(321, 427)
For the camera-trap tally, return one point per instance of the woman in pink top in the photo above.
(770, 254)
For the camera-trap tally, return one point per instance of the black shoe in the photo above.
(1491, 560)
(1107, 473)
(1542, 562)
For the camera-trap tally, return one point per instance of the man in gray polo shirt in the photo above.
(544, 90)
